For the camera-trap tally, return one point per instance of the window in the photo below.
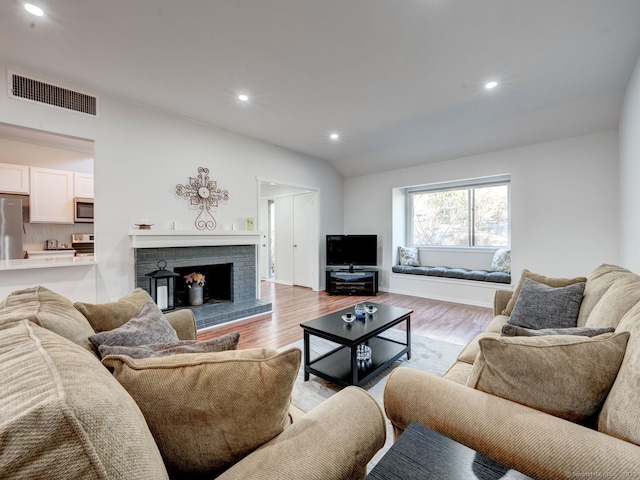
(469, 214)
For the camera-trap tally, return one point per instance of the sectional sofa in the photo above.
(550, 402)
(64, 414)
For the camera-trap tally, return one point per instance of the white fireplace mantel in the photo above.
(191, 238)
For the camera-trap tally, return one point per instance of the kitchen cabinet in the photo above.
(83, 185)
(14, 179)
(52, 193)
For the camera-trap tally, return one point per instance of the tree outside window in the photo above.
(474, 216)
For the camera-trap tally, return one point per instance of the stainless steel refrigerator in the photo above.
(10, 228)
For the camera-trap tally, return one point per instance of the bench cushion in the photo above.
(457, 273)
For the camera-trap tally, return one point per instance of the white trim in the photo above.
(453, 249)
(190, 238)
(461, 184)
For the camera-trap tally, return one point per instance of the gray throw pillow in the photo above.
(541, 306)
(220, 344)
(149, 325)
(509, 330)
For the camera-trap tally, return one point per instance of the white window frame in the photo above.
(458, 185)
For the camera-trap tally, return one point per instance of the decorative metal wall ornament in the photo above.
(204, 193)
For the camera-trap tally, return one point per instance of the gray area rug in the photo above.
(427, 355)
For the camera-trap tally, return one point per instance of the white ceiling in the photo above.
(401, 80)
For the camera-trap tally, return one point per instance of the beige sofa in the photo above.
(63, 415)
(536, 443)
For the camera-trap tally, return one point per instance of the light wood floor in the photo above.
(450, 322)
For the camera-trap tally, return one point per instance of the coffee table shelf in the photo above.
(335, 366)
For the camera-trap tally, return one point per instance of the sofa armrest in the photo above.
(532, 442)
(335, 440)
(184, 323)
(500, 300)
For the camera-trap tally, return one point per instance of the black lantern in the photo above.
(162, 286)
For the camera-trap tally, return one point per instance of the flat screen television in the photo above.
(350, 250)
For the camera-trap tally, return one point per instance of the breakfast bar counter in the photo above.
(31, 263)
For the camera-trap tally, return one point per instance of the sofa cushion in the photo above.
(542, 306)
(49, 310)
(550, 281)
(509, 330)
(495, 325)
(107, 316)
(63, 415)
(623, 294)
(220, 344)
(408, 256)
(470, 352)
(146, 327)
(598, 282)
(458, 373)
(208, 410)
(620, 416)
(518, 369)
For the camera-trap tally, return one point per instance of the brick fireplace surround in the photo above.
(193, 248)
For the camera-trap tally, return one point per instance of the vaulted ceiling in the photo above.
(401, 81)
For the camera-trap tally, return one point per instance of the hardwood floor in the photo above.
(450, 322)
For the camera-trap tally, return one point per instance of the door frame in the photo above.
(289, 189)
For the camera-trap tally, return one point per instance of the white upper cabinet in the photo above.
(52, 193)
(14, 179)
(83, 185)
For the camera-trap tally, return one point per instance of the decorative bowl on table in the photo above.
(348, 317)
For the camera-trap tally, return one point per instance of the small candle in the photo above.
(163, 297)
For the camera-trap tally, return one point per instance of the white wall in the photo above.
(141, 155)
(563, 203)
(630, 174)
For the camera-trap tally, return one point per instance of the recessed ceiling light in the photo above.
(491, 85)
(334, 136)
(243, 97)
(33, 10)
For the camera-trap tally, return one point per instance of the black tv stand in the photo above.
(351, 281)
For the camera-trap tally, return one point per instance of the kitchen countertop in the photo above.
(58, 252)
(31, 263)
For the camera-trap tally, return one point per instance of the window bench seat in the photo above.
(458, 273)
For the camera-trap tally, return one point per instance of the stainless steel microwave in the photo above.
(83, 208)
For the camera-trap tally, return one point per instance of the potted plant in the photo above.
(195, 281)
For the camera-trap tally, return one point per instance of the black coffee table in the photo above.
(340, 366)
(422, 454)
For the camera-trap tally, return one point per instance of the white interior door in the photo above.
(304, 232)
(263, 224)
(283, 240)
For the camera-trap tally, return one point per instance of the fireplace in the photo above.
(218, 283)
(231, 277)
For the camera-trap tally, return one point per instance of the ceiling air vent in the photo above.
(34, 90)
